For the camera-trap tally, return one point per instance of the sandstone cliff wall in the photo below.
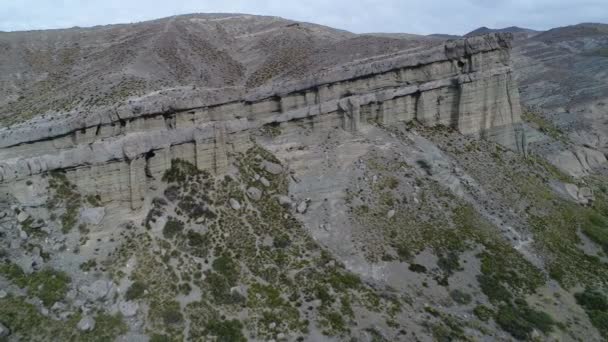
(466, 84)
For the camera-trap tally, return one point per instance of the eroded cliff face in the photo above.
(464, 84)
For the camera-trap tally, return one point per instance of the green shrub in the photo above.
(219, 288)
(417, 268)
(335, 322)
(159, 338)
(461, 297)
(48, 285)
(226, 331)
(225, 266)
(483, 312)
(595, 304)
(172, 314)
(281, 241)
(172, 228)
(520, 320)
(135, 291)
(596, 228)
(341, 281)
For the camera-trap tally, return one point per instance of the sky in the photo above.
(359, 16)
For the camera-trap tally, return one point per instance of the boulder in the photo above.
(239, 290)
(581, 195)
(3, 294)
(302, 207)
(86, 324)
(4, 330)
(98, 290)
(37, 224)
(272, 168)
(92, 216)
(234, 204)
(128, 309)
(265, 182)
(284, 201)
(390, 213)
(22, 217)
(254, 193)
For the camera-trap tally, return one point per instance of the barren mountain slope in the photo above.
(563, 76)
(82, 68)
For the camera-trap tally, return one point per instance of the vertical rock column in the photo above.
(351, 117)
(137, 182)
(220, 157)
(489, 108)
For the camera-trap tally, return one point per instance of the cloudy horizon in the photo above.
(412, 16)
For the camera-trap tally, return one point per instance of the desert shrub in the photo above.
(48, 285)
(225, 331)
(461, 297)
(335, 321)
(219, 288)
(596, 228)
(483, 312)
(196, 239)
(172, 193)
(520, 320)
(159, 338)
(281, 241)
(341, 281)
(172, 314)
(417, 268)
(424, 165)
(227, 267)
(135, 291)
(595, 304)
(172, 228)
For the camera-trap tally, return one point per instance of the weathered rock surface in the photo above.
(466, 84)
(92, 215)
(86, 324)
(97, 290)
(128, 309)
(562, 78)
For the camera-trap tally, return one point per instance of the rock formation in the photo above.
(465, 84)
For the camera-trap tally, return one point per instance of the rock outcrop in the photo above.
(465, 84)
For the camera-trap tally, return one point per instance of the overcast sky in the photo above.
(411, 16)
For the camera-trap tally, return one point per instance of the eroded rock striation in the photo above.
(465, 84)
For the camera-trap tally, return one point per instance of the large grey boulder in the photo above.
(234, 204)
(265, 182)
(254, 193)
(98, 290)
(271, 167)
(22, 217)
(285, 201)
(92, 216)
(302, 207)
(128, 309)
(86, 324)
(4, 330)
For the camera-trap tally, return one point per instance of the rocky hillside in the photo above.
(562, 77)
(74, 70)
(234, 177)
